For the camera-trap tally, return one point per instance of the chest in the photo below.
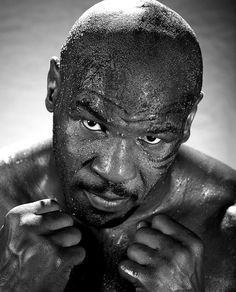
(99, 272)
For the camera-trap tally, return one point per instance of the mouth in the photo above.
(108, 202)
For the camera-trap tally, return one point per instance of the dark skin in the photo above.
(152, 216)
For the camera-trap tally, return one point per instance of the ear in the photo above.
(190, 118)
(53, 83)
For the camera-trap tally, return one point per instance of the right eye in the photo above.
(91, 125)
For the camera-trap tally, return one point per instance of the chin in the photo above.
(87, 215)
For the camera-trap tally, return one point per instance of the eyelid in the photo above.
(86, 115)
(150, 143)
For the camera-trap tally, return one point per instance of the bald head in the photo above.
(136, 31)
(115, 39)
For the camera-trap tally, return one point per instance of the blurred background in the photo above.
(32, 31)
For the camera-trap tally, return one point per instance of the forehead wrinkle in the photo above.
(99, 108)
(102, 97)
(154, 128)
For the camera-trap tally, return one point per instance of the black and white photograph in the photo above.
(118, 146)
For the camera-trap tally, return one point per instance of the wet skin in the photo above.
(207, 208)
(144, 206)
(195, 191)
(107, 143)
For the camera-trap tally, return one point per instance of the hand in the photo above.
(38, 248)
(166, 257)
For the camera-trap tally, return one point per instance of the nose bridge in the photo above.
(116, 164)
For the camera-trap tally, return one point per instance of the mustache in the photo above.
(105, 186)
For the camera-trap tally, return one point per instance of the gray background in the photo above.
(31, 31)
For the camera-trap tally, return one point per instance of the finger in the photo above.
(155, 239)
(74, 254)
(133, 272)
(66, 237)
(41, 207)
(141, 254)
(46, 223)
(56, 220)
(172, 228)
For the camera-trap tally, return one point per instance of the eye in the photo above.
(151, 140)
(91, 125)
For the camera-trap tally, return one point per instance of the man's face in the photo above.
(116, 132)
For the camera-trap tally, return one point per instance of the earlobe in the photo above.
(53, 83)
(190, 118)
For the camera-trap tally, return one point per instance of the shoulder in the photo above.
(209, 186)
(23, 151)
(206, 174)
(23, 171)
(212, 214)
(203, 166)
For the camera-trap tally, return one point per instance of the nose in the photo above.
(117, 164)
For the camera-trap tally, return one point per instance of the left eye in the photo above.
(91, 125)
(151, 139)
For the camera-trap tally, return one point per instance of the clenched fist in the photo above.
(165, 257)
(38, 248)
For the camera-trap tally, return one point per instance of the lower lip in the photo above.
(103, 204)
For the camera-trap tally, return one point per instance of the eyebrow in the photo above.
(163, 129)
(86, 105)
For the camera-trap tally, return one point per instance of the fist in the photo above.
(38, 248)
(164, 257)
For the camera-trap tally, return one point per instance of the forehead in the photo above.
(137, 82)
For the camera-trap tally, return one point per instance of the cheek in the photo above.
(154, 165)
(77, 148)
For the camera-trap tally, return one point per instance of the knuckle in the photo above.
(155, 219)
(131, 249)
(142, 232)
(68, 219)
(76, 234)
(160, 218)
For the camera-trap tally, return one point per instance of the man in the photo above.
(115, 204)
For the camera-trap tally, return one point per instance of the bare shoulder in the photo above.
(208, 185)
(23, 172)
(212, 178)
(208, 189)
(23, 151)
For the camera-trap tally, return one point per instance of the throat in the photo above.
(104, 251)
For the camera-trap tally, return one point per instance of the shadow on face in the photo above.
(124, 104)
